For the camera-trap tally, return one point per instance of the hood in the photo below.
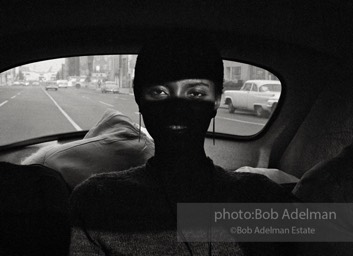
(112, 119)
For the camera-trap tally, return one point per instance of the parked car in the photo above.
(110, 87)
(259, 96)
(306, 44)
(51, 85)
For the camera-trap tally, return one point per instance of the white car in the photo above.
(110, 87)
(62, 83)
(259, 96)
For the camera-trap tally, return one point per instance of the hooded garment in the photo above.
(111, 145)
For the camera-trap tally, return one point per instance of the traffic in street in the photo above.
(31, 111)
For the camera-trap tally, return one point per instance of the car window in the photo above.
(71, 94)
(272, 87)
(254, 88)
(247, 87)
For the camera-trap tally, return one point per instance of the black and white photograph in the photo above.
(176, 128)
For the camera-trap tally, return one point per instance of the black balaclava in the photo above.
(195, 116)
(172, 57)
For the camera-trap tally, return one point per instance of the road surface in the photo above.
(28, 112)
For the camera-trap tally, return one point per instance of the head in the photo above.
(178, 85)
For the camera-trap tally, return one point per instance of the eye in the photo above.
(158, 92)
(197, 93)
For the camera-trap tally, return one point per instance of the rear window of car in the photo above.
(271, 87)
(27, 110)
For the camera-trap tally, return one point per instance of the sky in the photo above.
(44, 66)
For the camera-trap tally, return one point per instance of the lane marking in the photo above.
(13, 97)
(106, 104)
(240, 121)
(2, 104)
(78, 128)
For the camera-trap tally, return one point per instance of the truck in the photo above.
(258, 96)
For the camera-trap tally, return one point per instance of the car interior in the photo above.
(307, 45)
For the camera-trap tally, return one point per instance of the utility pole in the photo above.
(120, 71)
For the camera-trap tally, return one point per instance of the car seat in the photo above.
(320, 154)
(33, 211)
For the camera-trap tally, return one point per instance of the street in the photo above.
(27, 112)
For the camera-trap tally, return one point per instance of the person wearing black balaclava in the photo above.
(177, 86)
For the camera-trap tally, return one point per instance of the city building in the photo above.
(117, 68)
(240, 72)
